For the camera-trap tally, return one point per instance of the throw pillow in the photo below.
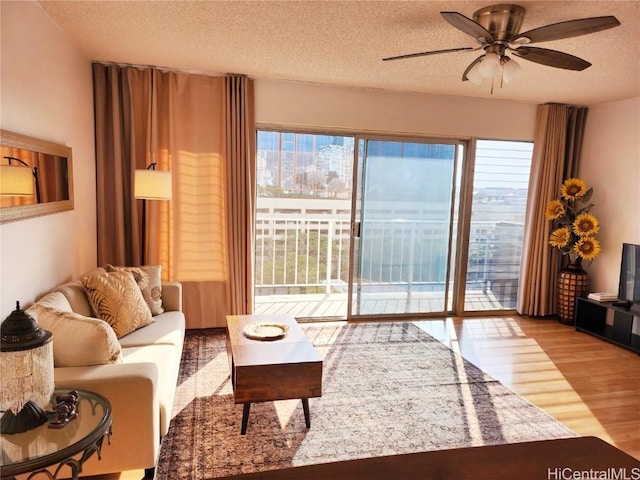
(79, 340)
(116, 299)
(149, 279)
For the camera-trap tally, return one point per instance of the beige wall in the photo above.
(611, 165)
(296, 104)
(46, 92)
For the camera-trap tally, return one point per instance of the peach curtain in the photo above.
(179, 121)
(557, 147)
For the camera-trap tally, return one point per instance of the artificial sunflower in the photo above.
(560, 237)
(555, 209)
(587, 248)
(586, 225)
(573, 188)
(573, 228)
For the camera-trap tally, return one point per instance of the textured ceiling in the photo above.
(343, 42)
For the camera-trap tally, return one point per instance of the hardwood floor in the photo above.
(590, 385)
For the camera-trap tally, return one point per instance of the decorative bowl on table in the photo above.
(265, 330)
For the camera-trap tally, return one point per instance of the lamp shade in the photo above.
(16, 181)
(489, 65)
(510, 70)
(474, 75)
(152, 184)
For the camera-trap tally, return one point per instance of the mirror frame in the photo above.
(21, 212)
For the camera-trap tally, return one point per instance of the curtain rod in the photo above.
(567, 105)
(176, 70)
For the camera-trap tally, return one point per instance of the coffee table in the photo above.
(269, 370)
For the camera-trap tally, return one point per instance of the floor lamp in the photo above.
(150, 184)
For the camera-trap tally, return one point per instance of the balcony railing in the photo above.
(295, 255)
(310, 256)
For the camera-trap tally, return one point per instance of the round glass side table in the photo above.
(46, 451)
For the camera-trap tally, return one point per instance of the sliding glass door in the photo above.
(496, 227)
(303, 222)
(404, 211)
(362, 226)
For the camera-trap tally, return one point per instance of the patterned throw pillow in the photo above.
(79, 340)
(116, 299)
(149, 279)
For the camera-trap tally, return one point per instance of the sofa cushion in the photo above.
(77, 298)
(78, 340)
(116, 299)
(149, 279)
(168, 329)
(167, 358)
(54, 300)
(75, 294)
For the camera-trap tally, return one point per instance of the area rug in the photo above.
(388, 388)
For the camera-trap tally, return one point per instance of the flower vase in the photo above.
(573, 282)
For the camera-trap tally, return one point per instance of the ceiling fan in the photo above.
(496, 30)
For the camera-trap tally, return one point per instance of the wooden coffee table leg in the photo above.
(245, 418)
(305, 408)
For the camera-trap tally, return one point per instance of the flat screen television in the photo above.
(629, 287)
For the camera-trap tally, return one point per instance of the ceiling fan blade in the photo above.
(571, 28)
(551, 58)
(424, 54)
(467, 26)
(471, 65)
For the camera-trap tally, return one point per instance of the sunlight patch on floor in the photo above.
(469, 408)
(218, 383)
(284, 410)
(501, 348)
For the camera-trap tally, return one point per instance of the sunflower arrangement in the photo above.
(573, 227)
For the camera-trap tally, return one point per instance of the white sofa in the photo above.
(139, 382)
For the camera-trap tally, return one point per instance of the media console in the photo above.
(615, 324)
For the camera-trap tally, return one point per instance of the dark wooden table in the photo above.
(542, 460)
(263, 371)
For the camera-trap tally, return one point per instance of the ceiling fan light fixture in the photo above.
(496, 29)
(510, 69)
(489, 65)
(474, 75)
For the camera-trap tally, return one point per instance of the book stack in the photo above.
(603, 296)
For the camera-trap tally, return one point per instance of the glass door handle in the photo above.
(355, 229)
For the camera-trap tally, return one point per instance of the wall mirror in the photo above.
(36, 177)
